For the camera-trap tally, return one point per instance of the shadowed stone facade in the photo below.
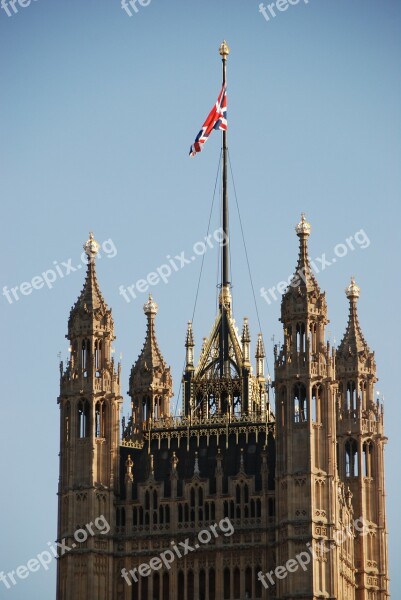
(265, 482)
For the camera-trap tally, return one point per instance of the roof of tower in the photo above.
(353, 342)
(90, 301)
(303, 286)
(303, 271)
(150, 366)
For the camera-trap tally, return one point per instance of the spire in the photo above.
(303, 288)
(189, 345)
(150, 360)
(260, 356)
(90, 301)
(150, 385)
(246, 341)
(303, 273)
(353, 342)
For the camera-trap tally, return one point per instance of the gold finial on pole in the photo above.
(224, 50)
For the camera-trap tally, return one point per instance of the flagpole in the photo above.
(224, 52)
(225, 296)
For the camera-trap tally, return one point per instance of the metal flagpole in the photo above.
(225, 297)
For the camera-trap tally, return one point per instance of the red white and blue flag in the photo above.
(217, 119)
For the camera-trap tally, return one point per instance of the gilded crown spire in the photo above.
(353, 341)
(303, 276)
(90, 302)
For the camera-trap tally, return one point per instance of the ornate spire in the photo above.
(353, 342)
(150, 385)
(189, 345)
(90, 301)
(246, 336)
(150, 363)
(303, 288)
(260, 357)
(304, 274)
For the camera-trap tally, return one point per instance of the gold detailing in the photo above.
(303, 227)
(224, 50)
(91, 247)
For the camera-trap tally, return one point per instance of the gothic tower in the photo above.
(361, 444)
(150, 385)
(89, 446)
(309, 496)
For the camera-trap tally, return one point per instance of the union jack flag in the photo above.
(217, 119)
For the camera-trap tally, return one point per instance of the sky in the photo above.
(98, 111)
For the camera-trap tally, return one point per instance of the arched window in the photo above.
(166, 586)
(300, 403)
(227, 586)
(283, 398)
(300, 341)
(351, 458)
(98, 355)
(67, 421)
(248, 582)
(156, 585)
(190, 585)
(316, 403)
(237, 494)
(180, 580)
(312, 338)
(83, 419)
(350, 402)
(368, 459)
(144, 587)
(202, 584)
(237, 580)
(258, 583)
(98, 419)
(85, 354)
(212, 584)
(147, 500)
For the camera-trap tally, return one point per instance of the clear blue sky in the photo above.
(98, 110)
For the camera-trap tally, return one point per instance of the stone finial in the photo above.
(150, 307)
(91, 247)
(303, 227)
(353, 290)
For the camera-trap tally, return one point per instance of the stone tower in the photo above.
(309, 495)
(249, 491)
(89, 446)
(361, 442)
